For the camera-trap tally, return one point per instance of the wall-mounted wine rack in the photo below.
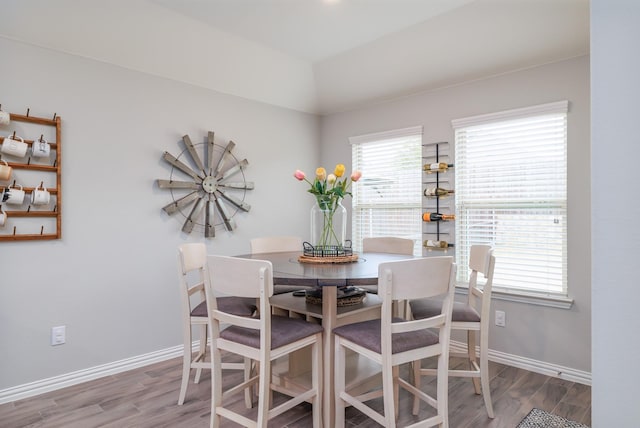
(438, 174)
(27, 222)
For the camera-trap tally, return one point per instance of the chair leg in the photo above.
(471, 352)
(202, 352)
(396, 390)
(388, 395)
(339, 382)
(264, 394)
(316, 381)
(442, 391)
(417, 365)
(186, 365)
(216, 386)
(248, 392)
(484, 376)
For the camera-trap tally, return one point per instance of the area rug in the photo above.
(540, 419)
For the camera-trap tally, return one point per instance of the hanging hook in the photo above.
(14, 231)
(41, 229)
(29, 161)
(41, 138)
(29, 208)
(54, 116)
(14, 135)
(28, 112)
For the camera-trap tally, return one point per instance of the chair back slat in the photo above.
(415, 278)
(239, 277)
(479, 258)
(275, 244)
(388, 244)
(193, 256)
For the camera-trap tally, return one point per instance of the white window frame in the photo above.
(399, 182)
(548, 292)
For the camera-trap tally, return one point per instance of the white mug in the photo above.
(13, 147)
(5, 171)
(5, 118)
(3, 218)
(40, 148)
(40, 196)
(14, 196)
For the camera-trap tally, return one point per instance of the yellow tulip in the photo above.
(339, 171)
(321, 174)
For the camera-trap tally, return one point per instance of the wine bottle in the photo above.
(435, 244)
(438, 217)
(437, 191)
(435, 167)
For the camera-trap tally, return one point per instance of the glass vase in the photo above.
(328, 224)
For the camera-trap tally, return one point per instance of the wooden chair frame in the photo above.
(192, 260)
(481, 260)
(275, 244)
(388, 245)
(397, 281)
(254, 278)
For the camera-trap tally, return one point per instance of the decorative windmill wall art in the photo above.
(210, 195)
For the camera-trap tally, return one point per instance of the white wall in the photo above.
(555, 336)
(615, 67)
(112, 279)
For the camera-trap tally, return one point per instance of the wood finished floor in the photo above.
(147, 397)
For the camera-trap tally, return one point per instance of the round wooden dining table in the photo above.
(288, 270)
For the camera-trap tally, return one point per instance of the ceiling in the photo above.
(314, 56)
(312, 30)
(364, 51)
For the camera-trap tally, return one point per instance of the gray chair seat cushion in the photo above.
(240, 306)
(367, 334)
(427, 308)
(284, 330)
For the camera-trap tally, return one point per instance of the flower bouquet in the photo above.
(328, 225)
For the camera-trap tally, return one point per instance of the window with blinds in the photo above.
(511, 193)
(387, 199)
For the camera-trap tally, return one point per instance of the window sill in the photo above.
(552, 301)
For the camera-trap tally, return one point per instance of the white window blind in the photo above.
(511, 192)
(386, 201)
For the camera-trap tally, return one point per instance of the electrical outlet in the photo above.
(501, 319)
(58, 335)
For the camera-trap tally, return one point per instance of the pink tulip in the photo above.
(299, 175)
(355, 176)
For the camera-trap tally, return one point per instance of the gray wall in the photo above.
(112, 279)
(615, 65)
(556, 336)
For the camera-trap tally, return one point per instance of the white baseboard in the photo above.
(57, 382)
(531, 365)
(80, 376)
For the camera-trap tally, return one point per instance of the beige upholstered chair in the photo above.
(386, 244)
(192, 265)
(391, 342)
(261, 339)
(472, 316)
(278, 244)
